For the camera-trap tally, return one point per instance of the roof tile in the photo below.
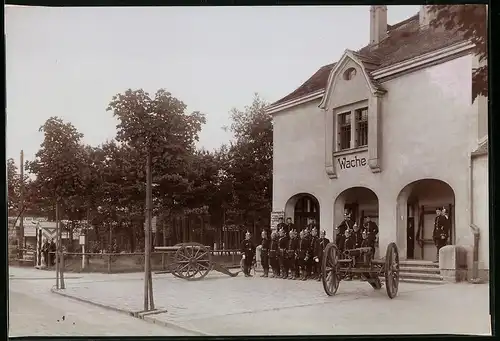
(405, 40)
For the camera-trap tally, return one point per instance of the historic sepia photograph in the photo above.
(228, 171)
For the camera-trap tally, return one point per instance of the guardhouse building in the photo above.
(391, 132)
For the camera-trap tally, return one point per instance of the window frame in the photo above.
(352, 110)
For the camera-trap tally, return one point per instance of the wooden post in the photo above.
(148, 283)
(109, 263)
(63, 286)
(57, 245)
(20, 240)
(164, 228)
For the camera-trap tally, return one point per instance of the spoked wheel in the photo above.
(392, 270)
(193, 261)
(329, 269)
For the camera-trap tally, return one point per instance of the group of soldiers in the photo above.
(349, 235)
(292, 255)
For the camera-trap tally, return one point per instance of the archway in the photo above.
(362, 202)
(303, 208)
(417, 203)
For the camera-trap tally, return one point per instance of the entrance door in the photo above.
(306, 208)
(410, 238)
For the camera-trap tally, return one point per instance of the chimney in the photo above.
(424, 16)
(378, 23)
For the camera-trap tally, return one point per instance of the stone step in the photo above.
(419, 264)
(417, 281)
(421, 276)
(418, 269)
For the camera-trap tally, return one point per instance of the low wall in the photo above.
(134, 262)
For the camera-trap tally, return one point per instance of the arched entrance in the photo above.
(417, 203)
(362, 202)
(303, 208)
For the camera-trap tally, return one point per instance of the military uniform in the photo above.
(288, 227)
(281, 226)
(283, 245)
(441, 233)
(358, 238)
(274, 256)
(303, 256)
(312, 264)
(371, 229)
(340, 237)
(264, 256)
(248, 252)
(320, 248)
(291, 258)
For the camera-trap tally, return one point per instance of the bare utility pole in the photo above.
(20, 241)
(57, 245)
(148, 283)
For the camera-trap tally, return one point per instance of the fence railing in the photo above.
(133, 262)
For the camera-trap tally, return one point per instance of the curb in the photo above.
(139, 315)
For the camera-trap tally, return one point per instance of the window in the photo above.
(344, 130)
(349, 73)
(361, 127)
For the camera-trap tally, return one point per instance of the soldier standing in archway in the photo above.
(440, 234)
(347, 223)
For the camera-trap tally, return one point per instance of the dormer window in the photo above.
(349, 74)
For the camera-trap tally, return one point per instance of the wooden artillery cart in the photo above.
(337, 266)
(192, 261)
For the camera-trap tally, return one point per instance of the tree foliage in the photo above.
(107, 183)
(13, 184)
(59, 165)
(249, 162)
(472, 22)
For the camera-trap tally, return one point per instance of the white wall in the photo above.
(429, 128)
(480, 208)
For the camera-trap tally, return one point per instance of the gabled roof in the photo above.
(405, 40)
(366, 65)
(481, 150)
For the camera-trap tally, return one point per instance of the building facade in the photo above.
(391, 132)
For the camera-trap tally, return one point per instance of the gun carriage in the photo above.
(338, 265)
(192, 261)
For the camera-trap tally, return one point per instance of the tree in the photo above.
(13, 183)
(249, 164)
(471, 21)
(59, 166)
(158, 129)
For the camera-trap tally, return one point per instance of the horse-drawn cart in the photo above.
(340, 265)
(192, 261)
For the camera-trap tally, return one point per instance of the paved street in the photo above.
(35, 311)
(219, 305)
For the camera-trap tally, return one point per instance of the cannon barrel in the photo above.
(358, 252)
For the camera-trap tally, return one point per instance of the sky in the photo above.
(70, 62)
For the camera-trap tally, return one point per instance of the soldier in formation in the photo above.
(248, 252)
(274, 255)
(313, 268)
(264, 255)
(291, 256)
(283, 245)
(302, 255)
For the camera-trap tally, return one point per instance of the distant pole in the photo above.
(148, 285)
(57, 245)
(21, 207)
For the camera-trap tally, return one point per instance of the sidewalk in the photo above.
(220, 305)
